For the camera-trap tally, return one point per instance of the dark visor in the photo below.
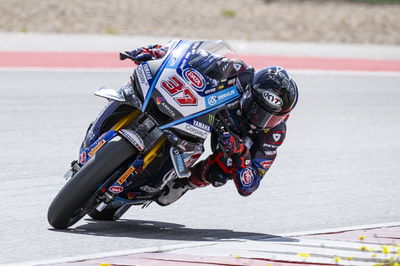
(260, 118)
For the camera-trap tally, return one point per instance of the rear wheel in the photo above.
(77, 197)
(109, 214)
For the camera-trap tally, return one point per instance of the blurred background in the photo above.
(337, 21)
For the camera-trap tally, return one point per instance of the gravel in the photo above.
(333, 21)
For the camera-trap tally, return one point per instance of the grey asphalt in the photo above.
(339, 166)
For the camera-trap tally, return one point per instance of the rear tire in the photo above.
(68, 206)
(109, 214)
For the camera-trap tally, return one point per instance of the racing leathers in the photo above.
(239, 152)
(246, 166)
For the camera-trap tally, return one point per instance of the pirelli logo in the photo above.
(96, 148)
(127, 173)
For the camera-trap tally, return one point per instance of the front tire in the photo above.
(69, 206)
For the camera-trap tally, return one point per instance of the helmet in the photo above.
(270, 98)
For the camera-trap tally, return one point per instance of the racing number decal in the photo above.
(174, 86)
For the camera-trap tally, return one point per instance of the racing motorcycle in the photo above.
(163, 114)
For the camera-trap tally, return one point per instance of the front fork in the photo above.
(128, 177)
(133, 169)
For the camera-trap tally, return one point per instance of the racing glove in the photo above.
(240, 168)
(230, 144)
(146, 53)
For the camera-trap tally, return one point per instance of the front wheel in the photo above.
(76, 198)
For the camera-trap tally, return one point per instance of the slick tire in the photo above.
(71, 199)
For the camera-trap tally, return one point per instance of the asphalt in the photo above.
(338, 167)
(362, 246)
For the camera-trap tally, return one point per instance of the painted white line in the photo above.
(165, 248)
(340, 229)
(343, 72)
(188, 245)
(281, 252)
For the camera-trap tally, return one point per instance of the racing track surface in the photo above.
(338, 167)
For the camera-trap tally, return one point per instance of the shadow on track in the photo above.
(159, 230)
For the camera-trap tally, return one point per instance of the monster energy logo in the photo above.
(211, 119)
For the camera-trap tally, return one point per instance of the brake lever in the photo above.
(123, 56)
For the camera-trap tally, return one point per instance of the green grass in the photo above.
(228, 13)
(111, 31)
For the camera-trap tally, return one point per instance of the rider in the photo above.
(256, 124)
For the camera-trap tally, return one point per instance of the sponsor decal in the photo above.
(195, 131)
(175, 86)
(159, 100)
(269, 153)
(229, 162)
(246, 177)
(195, 79)
(211, 119)
(270, 146)
(149, 189)
(133, 138)
(231, 82)
(266, 164)
(272, 98)
(147, 71)
(201, 125)
(210, 91)
(143, 81)
(276, 136)
(237, 66)
(127, 173)
(168, 109)
(82, 158)
(212, 100)
(140, 74)
(116, 189)
(96, 148)
(221, 96)
(179, 160)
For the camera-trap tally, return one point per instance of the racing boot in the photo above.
(176, 187)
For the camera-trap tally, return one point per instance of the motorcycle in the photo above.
(163, 114)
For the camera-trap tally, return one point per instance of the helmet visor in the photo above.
(261, 118)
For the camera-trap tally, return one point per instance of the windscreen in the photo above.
(208, 58)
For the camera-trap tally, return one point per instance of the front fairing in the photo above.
(183, 92)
